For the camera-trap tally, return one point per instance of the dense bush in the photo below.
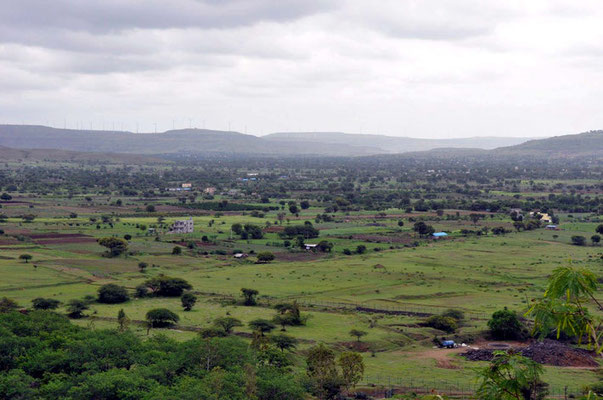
(41, 303)
(44, 356)
(167, 286)
(306, 231)
(112, 294)
(505, 325)
(440, 322)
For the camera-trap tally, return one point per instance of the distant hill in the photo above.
(204, 141)
(210, 141)
(9, 154)
(582, 144)
(184, 140)
(588, 145)
(393, 144)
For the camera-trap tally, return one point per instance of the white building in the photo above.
(182, 226)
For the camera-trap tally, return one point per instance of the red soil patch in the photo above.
(401, 239)
(361, 347)
(548, 352)
(274, 229)
(61, 238)
(301, 256)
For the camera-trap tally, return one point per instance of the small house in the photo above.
(438, 235)
(309, 246)
(552, 227)
(241, 255)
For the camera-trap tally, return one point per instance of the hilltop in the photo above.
(582, 144)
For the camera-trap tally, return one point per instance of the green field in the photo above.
(476, 274)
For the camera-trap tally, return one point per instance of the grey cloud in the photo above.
(117, 15)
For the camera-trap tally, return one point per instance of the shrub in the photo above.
(505, 325)
(361, 249)
(456, 314)
(177, 250)
(442, 323)
(112, 294)
(161, 317)
(265, 257)
(211, 332)
(41, 303)
(578, 240)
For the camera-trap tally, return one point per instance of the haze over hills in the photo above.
(394, 144)
(10, 154)
(211, 141)
(40, 143)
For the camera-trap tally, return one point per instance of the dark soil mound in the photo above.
(548, 352)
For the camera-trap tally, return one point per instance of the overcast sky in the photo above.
(425, 68)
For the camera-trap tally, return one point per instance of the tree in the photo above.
(357, 334)
(265, 257)
(599, 229)
(249, 296)
(518, 225)
(177, 250)
(361, 249)
(76, 308)
(168, 286)
(595, 239)
(476, 217)
(283, 321)
(150, 208)
(352, 368)
(511, 376)
(41, 303)
(505, 325)
(115, 246)
(122, 320)
(6, 197)
(293, 209)
(400, 223)
(25, 257)
(325, 246)
(227, 324)
(112, 294)
(161, 317)
(322, 372)
(304, 204)
(261, 325)
(284, 342)
(423, 229)
(578, 240)
(563, 307)
(142, 266)
(188, 300)
(237, 228)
